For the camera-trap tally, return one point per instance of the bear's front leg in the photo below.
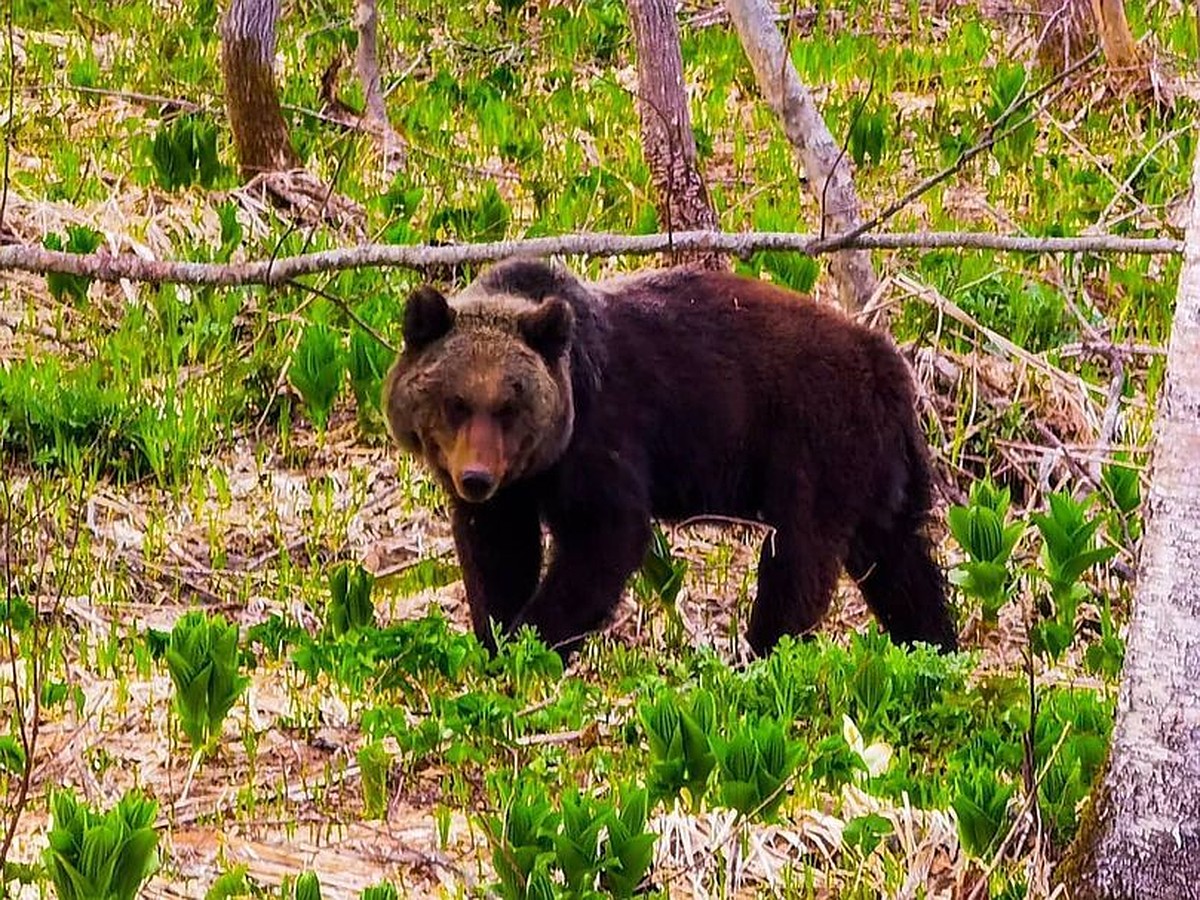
(499, 547)
(593, 558)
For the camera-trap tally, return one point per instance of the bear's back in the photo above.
(719, 379)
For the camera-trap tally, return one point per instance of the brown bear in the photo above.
(592, 407)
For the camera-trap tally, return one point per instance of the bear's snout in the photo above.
(477, 461)
(476, 485)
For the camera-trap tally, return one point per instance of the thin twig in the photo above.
(181, 103)
(8, 126)
(345, 307)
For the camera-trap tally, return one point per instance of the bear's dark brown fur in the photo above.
(537, 398)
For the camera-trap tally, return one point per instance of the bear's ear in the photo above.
(547, 328)
(427, 317)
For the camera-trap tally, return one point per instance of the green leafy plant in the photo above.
(521, 840)
(1007, 90)
(307, 887)
(374, 762)
(981, 804)
(660, 579)
(629, 849)
(662, 573)
(101, 855)
(12, 755)
(1106, 654)
(754, 764)
(232, 232)
(385, 890)
(350, 606)
(487, 220)
(590, 847)
(367, 362)
(1123, 485)
(316, 371)
(524, 660)
(184, 152)
(1068, 536)
(577, 841)
(1071, 741)
(79, 239)
(982, 530)
(232, 883)
(203, 659)
(865, 833)
(868, 136)
(834, 762)
(681, 753)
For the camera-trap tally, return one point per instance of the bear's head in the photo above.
(482, 390)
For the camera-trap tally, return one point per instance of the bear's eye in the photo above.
(457, 410)
(506, 413)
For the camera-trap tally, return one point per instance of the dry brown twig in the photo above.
(1034, 361)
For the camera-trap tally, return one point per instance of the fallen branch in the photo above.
(127, 266)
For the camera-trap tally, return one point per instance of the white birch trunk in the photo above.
(1141, 837)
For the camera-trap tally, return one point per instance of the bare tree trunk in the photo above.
(1141, 834)
(1120, 49)
(367, 63)
(667, 138)
(367, 22)
(827, 170)
(247, 63)
(1070, 29)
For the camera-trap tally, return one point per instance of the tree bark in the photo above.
(667, 138)
(1140, 836)
(1071, 28)
(252, 102)
(826, 168)
(367, 63)
(1120, 49)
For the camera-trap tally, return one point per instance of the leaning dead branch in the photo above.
(128, 266)
(366, 60)
(826, 169)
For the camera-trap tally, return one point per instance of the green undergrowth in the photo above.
(636, 732)
(520, 119)
(770, 740)
(523, 122)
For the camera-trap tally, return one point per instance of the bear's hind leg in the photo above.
(902, 584)
(797, 572)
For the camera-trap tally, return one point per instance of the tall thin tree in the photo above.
(366, 58)
(247, 62)
(826, 168)
(667, 138)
